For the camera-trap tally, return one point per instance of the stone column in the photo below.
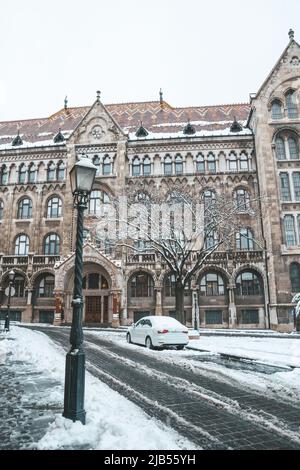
(116, 304)
(158, 301)
(58, 320)
(27, 313)
(232, 307)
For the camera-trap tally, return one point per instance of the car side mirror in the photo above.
(133, 325)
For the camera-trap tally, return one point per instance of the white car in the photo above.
(158, 332)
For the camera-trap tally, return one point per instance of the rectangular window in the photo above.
(168, 168)
(289, 230)
(285, 187)
(213, 317)
(296, 182)
(249, 317)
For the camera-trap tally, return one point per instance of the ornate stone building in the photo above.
(247, 150)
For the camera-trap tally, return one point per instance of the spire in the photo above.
(98, 96)
(161, 96)
(291, 34)
(66, 103)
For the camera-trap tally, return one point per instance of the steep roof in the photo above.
(159, 118)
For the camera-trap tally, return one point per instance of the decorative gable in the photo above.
(97, 127)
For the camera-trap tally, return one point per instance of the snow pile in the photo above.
(112, 421)
(279, 351)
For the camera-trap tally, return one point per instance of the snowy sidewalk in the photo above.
(31, 385)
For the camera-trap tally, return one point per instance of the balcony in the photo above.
(28, 263)
(141, 258)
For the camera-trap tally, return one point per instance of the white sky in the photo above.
(199, 52)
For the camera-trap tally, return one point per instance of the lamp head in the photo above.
(82, 176)
(11, 275)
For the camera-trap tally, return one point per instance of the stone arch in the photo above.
(213, 268)
(255, 269)
(140, 269)
(17, 271)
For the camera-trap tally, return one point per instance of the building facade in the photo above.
(249, 151)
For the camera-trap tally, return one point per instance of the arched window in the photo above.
(232, 162)
(25, 208)
(106, 165)
(61, 171)
(97, 199)
(291, 104)
(141, 285)
(54, 207)
(244, 164)
(285, 187)
(22, 173)
(22, 245)
(280, 149)
(146, 166)
(211, 163)
(1, 209)
(295, 277)
(31, 173)
(211, 285)
(178, 165)
(289, 231)
(46, 286)
(170, 284)
(293, 149)
(209, 198)
(4, 175)
(244, 239)
(242, 200)
(51, 172)
(136, 167)
(200, 165)
(52, 244)
(96, 162)
(276, 110)
(168, 165)
(248, 283)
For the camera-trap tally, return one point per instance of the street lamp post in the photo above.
(11, 278)
(82, 177)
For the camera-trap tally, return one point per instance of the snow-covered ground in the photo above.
(113, 422)
(278, 351)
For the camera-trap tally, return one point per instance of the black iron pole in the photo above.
(7, 319)
(75, 359)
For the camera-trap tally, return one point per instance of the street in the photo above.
(213, 412)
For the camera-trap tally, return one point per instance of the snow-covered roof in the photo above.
(161, 121)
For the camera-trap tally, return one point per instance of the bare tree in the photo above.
(182, 232)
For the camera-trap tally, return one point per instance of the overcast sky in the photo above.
(199, 52)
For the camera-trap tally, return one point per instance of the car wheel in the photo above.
(179, 347)
(148, 343)
(128, 338)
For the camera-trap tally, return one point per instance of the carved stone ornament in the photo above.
(97, 132)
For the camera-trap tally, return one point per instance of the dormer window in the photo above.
(58, 138)
(276, 110)
(17, 141)
(189, 129)
(141, 132)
